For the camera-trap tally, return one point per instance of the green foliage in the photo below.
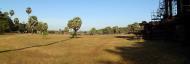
(107, 30)
(22, 27)
(123, 30)
(6, 14)
(42, 28)
(115, 30)
(16, 23)
(4, 22)
(16, 20)
(75, 24)
(3, 25)
(100, 31)
(134, 28)
(93, 31)
(11, 12)
(32, 24)
(28, 10)
(66, 30)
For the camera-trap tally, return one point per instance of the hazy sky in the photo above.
(94, 13)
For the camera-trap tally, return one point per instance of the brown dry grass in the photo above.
(98, 49)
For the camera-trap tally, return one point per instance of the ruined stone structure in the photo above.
(168, 22)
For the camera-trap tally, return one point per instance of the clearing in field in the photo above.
(97, 49)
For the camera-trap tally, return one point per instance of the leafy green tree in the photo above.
(107, 30)
(66, 30)
(115, 30)
(22, 27)
(4, 22)
(123, 30)
(45, 29)
(75, 24)
(93, 31)
(135, 27)
(42, 28)
(3, 25)
(100, 31)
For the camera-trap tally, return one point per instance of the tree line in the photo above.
(75, 24)
(33, 25)
(131, 28)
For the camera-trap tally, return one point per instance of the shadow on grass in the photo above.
(150, 52)
(128, 37)
(75, 37)
(34, 46)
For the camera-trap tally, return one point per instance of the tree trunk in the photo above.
(74, 34)
(166, 9)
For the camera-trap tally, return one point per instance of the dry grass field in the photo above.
(98, 49)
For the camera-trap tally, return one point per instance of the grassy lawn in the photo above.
(98, 49)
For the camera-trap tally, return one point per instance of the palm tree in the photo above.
(32, 22)
(28, 10)
(11, 12)
(16, 22)
(0, 12)
(30, 19)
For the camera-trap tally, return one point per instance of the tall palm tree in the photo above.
(28, 10)
(11, 12)
(16, 22)
(0, 12)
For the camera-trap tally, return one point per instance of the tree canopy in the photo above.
(75, 24)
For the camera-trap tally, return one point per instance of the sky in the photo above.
(94, 13)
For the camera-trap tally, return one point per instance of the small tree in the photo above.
(100, 31)
(107, 30)
(93, 31)
(45, 29)
(115, 29)
(42, 28)
(134, 28)
(60, 31)
(75, 24)
(66, 30)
